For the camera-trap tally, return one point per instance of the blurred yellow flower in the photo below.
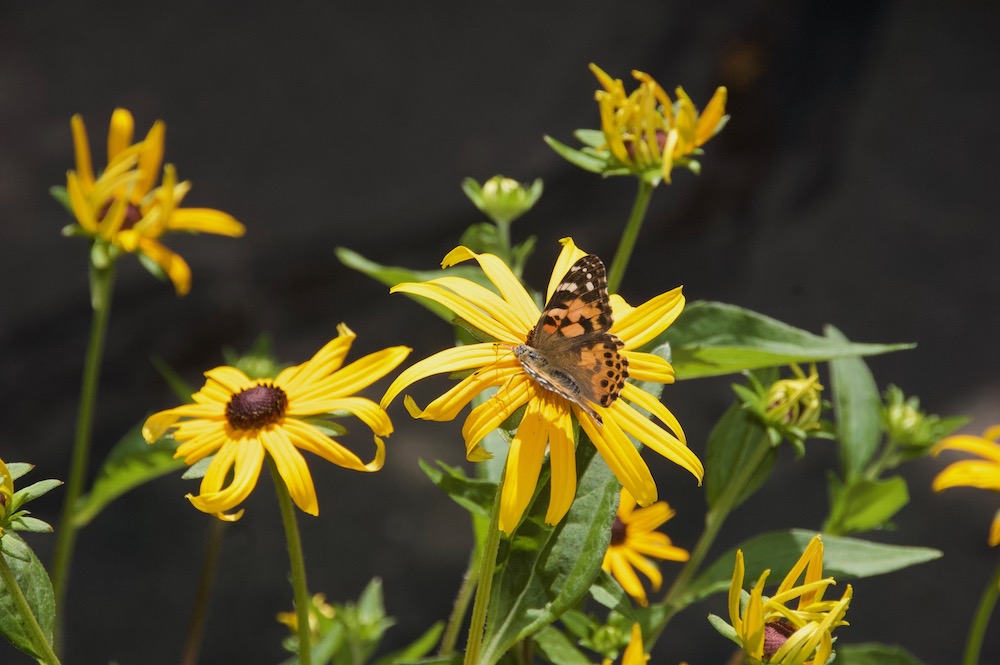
(771, 631)
(649, 133)
(547, 423)
(634, 538)
(122, 209)
(239, 420)
(634, 653)
(982, 473)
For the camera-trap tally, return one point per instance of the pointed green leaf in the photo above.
(843, 559)
(18, 469)
(473, 494)
(874, 654)
(543, 571)
(559, 649)
(34, 583)
(857, 408)
(736, 439)
(592, 138)
(418, 649)
(33, 491)
(30, 524)
(864, 505)
(711, 338)
(576, 157)
(130, 463)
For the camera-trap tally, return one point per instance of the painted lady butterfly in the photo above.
(570, 351)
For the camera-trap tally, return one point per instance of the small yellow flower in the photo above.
(634, 653)
(771, 631)
(6, 494)
(983, 473)
(122, 209)
(547, 423)
(634, 538)
(239, 420)
(318, 608)
(647, 132)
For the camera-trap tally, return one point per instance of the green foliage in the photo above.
(585, 159)
(843, 559)
(33, 581)
(130, 463)
(863, 505)
(738, 445)
(875, 654)
(473, 494)
(856, 407)
(710, 339)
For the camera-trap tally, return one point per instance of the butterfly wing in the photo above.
(579, 305)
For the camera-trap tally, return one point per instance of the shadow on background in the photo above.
(855, 185)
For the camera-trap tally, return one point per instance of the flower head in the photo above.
(982, 473)
(502, 199)
(771, 631)
(633, 539)
(647, 133)
(239, 420)
(789, 408)
(547, 423)
(634, 653)
(122, 210)
(13, 516)
(319, 611)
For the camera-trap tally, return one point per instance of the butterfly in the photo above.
(570, 351)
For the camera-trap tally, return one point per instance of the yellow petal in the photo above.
(643, 323)
(325, 361)
(669, 148)
(365, 410)
(604, 79)
(455, 359)
(150, 158)
(735, 587)
(562, 463)
(205, 220)
(355, 377)
(622, 457)
(200, 447)
(655, 407)
(656, 439)
(521, 304)
(658, 545)
(975, 445)
(307, 437)
(231, 379)
(969, 473)
(81, 149)
(648, 518)
(645, 566)
(246, 457)
(448, 405)
(78, 202)
(710, 118)
(176, 268)
(120, 132)
(464, 309)
(623, 572)
(634, 652)
(487, 416)
(517, 320)
(524, 462)
(994, 538)
(649, 367)
(292, 468)
(158, 424)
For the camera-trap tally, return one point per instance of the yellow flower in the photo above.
(647, 132)
(6, 494)
(318, 608)
(547, 423)
(239, 420)
(771, 631)
(981, 473)
(634, 654)
(633, 538)
(121, 208)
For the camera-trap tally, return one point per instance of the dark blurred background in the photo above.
(855, 185)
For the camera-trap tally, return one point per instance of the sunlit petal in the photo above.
(514, 294)
(643, 323)
(524, 462)
(457, 359)
(623, 459)
(292, 468)
(487, 416)
(463, 309)
(562, 461)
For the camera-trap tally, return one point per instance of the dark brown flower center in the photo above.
(618, 532)
(132, 215)
(776, 633)
(257, 407)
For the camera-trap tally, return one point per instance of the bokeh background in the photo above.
(855, 185)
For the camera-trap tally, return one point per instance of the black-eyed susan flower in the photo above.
(547, 423)
(634, 539)
(770, 631)
(982, 473)
(122, 210)
(240, 420)
(634, 653)
(645, 132)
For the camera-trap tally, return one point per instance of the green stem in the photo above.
(199, 614)
(102, 281)
(714, 520)
(41, 643)
(487, 564)
(297, 561)
(629, 236)
(977, 631)
(450, 637)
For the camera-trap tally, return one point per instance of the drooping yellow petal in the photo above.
(307, 437)
(292, 468)
(967, 443)
(355, 377)
(172, 264)
(246, 458)
(205, 220)
(655, 407)
(516, 320)
(521, 304)
(644, 323)
(562, 462)
(449, 405)
(524, 463)
(200, 447)
(619, 567)
(622, 457)
(455, 359)
(711, 117)
(649, 367)
(656, 439)
(644, 566)
(487, 416)
(365, 410)
(463, 309)
(969, 473)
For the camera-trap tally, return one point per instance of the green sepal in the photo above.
(872, 653)
(543, 571)
(391, 276)
(711, 339)
(30, 575)
(592, 138)
(857, 408)
(60, 194)
(863, 505)
(735, 439)
(32, 492)
(132, 462)
(843, 559)
(558, 649)
(23, 522)
(18, 469)
(723, 628)
(473, 494)
(576, 157)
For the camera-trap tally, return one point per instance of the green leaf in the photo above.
(59, 193)
(418, 649)
(724, 629)
(592, 138)
(843, 559)
(18, 469)
(130, 463)
(543, 571)
(711, 338)
(736, 439)
(483, 237)
(857, 407)
(391, 276)
(875, 654)
(863, 505)
(33, 491)
(559, 649)
(473, 494)
(30, 524)
(34, 583)
(575, 157)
